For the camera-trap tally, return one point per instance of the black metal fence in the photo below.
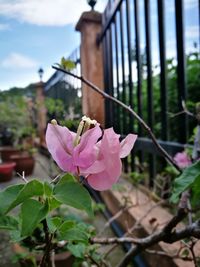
(130, 30)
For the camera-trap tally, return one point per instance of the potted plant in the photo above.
(6, 171)
(25, 160)
(16, 119)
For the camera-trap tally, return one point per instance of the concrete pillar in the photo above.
(41, 112)
(89, 26)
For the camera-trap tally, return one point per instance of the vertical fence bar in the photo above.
(181, 67)
(117, 74)
(163, 78)
(139, 63)
(130, 81)
(152, 158)
(110, 58)
(123, 67)
(123, 79)
(107, 103)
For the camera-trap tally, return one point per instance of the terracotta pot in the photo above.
(6, 171)
(8, 151)
(24, 162)
(63, 259)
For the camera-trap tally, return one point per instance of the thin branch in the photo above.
(163, 253)
(22, 177)
(55, 179)
(184, 111)
(114, 217)
(128, 109)
(189, 231)
(135, 226)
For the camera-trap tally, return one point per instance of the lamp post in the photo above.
(92, 3)
(41, 109)
(40, 72)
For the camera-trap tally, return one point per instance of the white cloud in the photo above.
(19, 61)
(192, 32)
(46, 12)
(4, 27)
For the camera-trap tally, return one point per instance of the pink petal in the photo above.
(96, 167)
(105, 180)
(85, 153)
(127, 145)
(59, 142)
(109, 156)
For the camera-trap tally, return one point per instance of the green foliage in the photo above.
(55, 108)
(190, 178)
(67, 64)
(193, 85)
(16, 116)
(71, 193)
(32, 189)
(30, 221)
(37, 203)
(8, 196)
(8, 223)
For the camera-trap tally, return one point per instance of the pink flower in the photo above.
(182, 159)
(98, 161)
(70, 157)
(110, 152)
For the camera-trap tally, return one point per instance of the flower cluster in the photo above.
(91, 152)
(182, 160)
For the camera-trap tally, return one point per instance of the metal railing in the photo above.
(130, 74)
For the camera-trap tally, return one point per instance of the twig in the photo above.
(22, 176)
(184, 111)
(127, 108)
(189, 231)
(166, 236)
(162, 253)
(134, 227)
(55, 179)
(53, 258)
(114, 217)
(191, 249)
(46, 259)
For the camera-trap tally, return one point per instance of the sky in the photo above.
(37, 33)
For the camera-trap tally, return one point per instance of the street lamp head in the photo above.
(40, 72)
(92, 3)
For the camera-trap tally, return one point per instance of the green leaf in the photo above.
(77, 250)
(8, 196)
(48, 190)
(31, 189)
(73, 234)
(73, 194)
(69, 224)
(54, 223)
(53, 203)
(186, 180)
(32, 212)
(66, 178)
(8, 222)
(67, 64)
(70, 231)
